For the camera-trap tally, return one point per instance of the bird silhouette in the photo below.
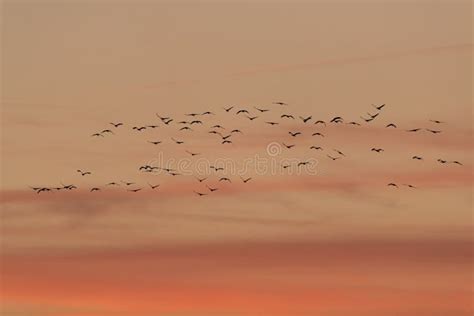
(432, 131)
(228, 109)
(339, 152)
(95, 189)
(261, 110)
(200, 179)
(207, 113)
(316, 147)
(236, 131)
(456, 162)
(242, 111)
(353, 123)
(153, 186)
(377, 150)
(417, 158)
(226, 142)
(218, 126)
(212, 189)
(152, 126)
(391, 125)
(139, 129)
(84, 173)
(333, 158)
(128, 183)
(155, 142)
(317, 134)
(196, 122)
(436, 121)
(97, 135)
(287, 116)
(320, 122)
(294, 134)
(117, 124)
(413, 130)
(378, 107)
(288, 146)
(245, 180)
(410, 186)
(192, 154)
(305, 119)
(107, 131)
(302, 163)
(135, 190)
(393, 185)
(272, 123)
(336, 119)
(199, 193)
(225, 179)
(251, 117)
(280, 103)
(185, 128)
(113, 183)
(179, 142)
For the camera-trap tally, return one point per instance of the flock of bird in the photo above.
(226, 137)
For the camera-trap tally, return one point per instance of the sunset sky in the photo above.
(330, 241)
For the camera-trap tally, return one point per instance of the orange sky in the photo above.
(334, 243)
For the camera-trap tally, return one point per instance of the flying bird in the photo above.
(200, 180)
(413, 130)
(339, 152)
(417, 158)
(288, 146)
(242, 111)
(306, 119)
(353, 123)
(287, 116)
(228, 109)
(377, 150)
(432, 131)
(199, 193)
(391, 125)
(95, 189)
(179, 142)
(393, 185)
(83, 173)
(225, 179)
(316, 147)
(294, 134)
(280, 103)
(261, 110)
(135, 190)
(436, 121)
(378, 107)
(155, 142)
(320, 122)
(245, 180)
(153, 186)
(333, 158)
(272, 123)
(317, 134)
(251, 117)
(192, 154)
(212, 189)
(117, 124)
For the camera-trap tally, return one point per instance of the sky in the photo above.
(328, 240)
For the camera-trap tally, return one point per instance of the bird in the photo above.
(367, 120)
(377, 150)
(97, 135)
(391, 125)
(212, 189)
(410, 186)
(245, 180)
(226, 142)
(84, 173)
(302, 163)
(196, 122)
(215, 132)
(339, 152)
(272, 123)
(139, 129)
(225, 179)
(287, 116)
(316, 147)
(113, 183)
(152, 126)
(153, 186)
(218, 126)
(333, 158)
(417, 158)
(228, 109)
(155, 142)
(242, 111)
(216, 168)
(199, 193)
(393, 185)
(373, 115)
(183, 122)
(200, 179)
(286, 166)
(192, 154)
(128, 183)
(336, 119)
(280, 103)
(378, 107)
(167, 122)
(192, 114)
(442, 161)
(320, 122)
(432, 131)
(207, 113)
(135, 190)
(353, 123)
(261, 110)
(95, 189)
(294, 134)
(455, 162)
(107, 131)
(251, 117)
(306, 119)
(317, 134)
(43, 190)
(236, 131)
(436, 121)
(116, 124)
(179, 142)
(185, 128)
(288, 146)
(413, 130)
